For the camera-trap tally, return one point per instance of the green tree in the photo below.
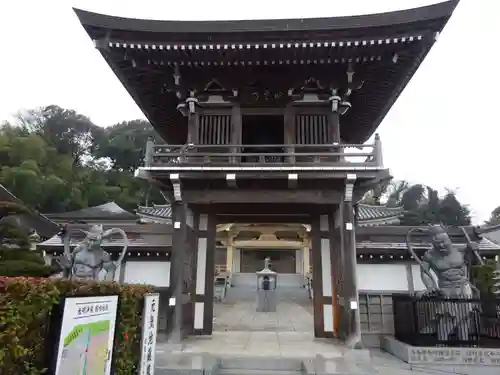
(485, 277)
(452, 212)
(56, 160)
(125, 144)
(16, 256)
(395, 192)
(494, 217)
(64, 129)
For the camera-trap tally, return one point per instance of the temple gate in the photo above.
(263, 119)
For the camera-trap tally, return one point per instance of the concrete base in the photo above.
(288, 353)
(266, 301)
(196, 364)
(472, 361)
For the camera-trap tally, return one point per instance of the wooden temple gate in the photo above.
(333, 264)
(198, 86)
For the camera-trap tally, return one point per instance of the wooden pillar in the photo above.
(350, 295)
(324, 281)
(305, 260)
(236, 131)
(205, 269)
(192, 127)
(229, 257)
(319, 330)
(179, 237)
(334, 125)
(289, 129)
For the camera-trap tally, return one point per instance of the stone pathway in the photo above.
(241, 316)
(268, 344)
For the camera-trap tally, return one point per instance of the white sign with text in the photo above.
(149, 333)
(87, 335)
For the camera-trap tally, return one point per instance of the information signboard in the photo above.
(86, 335)
(149, 333)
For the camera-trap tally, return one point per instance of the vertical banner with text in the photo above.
(149, 333)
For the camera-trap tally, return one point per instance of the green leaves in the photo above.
(486, 278)
(57, 160)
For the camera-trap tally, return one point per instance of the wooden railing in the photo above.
(220, 155)
(220, 268)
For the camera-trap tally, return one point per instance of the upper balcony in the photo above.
(328, 156)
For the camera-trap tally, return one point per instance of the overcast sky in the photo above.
(443, 131)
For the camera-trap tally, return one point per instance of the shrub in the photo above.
(15, 268)
(22, 262)
(25, 306)
(483, 277)
(21, 254)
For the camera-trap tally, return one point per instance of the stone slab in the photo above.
(260, 363)
(336, 366)
(176, 364)
(419, 355)
(473, 361)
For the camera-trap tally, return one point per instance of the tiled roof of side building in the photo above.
(33, 219)
(162, 212)
(103, 211)
(484, 244)
(367, 214)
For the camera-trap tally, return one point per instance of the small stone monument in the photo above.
(267, 281)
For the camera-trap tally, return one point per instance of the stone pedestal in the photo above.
(266, 290)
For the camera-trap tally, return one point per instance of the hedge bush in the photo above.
(25, 306)
(483, 277)
(23, 262)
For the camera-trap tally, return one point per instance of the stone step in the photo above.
(256, 372)
(246, 293)
(261, 364)
(284, 280)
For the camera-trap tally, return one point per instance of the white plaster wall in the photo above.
(236, 260)
(153, 273)
(382, 277)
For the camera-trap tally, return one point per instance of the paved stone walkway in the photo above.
(269, 344)
(241, 316)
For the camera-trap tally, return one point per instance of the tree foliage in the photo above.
(422, 204)
(485, 277)
(494, 217)
(16, 257)
(57, 160)
(125, 144)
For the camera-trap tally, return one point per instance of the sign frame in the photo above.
(56, 326)
(149, 333)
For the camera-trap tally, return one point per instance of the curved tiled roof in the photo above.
(33, 219)
(366, 214)
(390, 47)
(103, 211)
(161, 212)
(344, 23)
(484, 244)
(378, 215)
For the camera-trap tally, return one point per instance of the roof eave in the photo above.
(427, 13)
